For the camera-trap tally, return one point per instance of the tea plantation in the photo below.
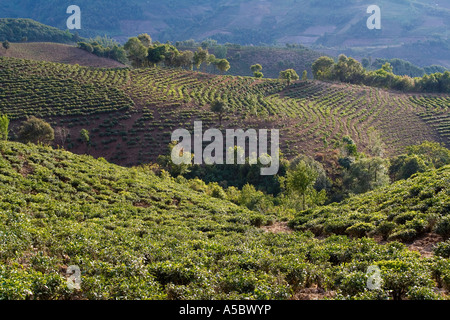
(402, 211)
(132, 113)
(135, 235)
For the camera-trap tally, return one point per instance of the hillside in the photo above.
(272, 59)
(18, 30)
(132, 113)
(137, 236)
(60, 53)
(404, 211)
(328, 23)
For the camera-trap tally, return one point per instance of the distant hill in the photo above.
(338, 24)
(22, 30)
(61, 53)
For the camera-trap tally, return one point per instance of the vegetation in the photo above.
(138, 236)
(17, 30)
(105, 48)
(351, 71)
(36, 131)
(402, 211)
(289, 75)
(4, 125)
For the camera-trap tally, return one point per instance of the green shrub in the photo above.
(443, 227)
(405, 216)
(405, 235)
(360, 229)
(385, 228)
(337, 226)
(442, 249)
(422, 293)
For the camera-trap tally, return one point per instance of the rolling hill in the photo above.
(132, 113)
(134, 235)
(406, 24)
(60, 53)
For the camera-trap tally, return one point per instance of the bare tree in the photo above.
(61, 134)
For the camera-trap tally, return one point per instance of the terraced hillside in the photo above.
(131, 113)
(134, 235)
(404, 211)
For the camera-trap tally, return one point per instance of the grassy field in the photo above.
(138, 236)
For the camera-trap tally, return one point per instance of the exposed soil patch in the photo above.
(313, 294)
(278, 227)
(425, 244)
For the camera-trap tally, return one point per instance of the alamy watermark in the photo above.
(74, 277)
(74, 21)
(374, 280)
(213, 153)
(374, 21)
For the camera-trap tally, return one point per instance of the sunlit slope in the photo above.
(132, 113)
(137, 236)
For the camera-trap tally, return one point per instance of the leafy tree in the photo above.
(200, 57)
(145, 39)
(433, 152)
(301, 180)
(163, 53)
(84, 136)
(221, 52)
(137, 53)
(184, 60)
(404, 166)
(305, 75)
(366, 174)
(256, 69)
(322, 68)
(86, 47)
(175, 169)
(219, 107)
(4, 125)
(223, 65)
(6, 45)
(36, 131)
(289, 75)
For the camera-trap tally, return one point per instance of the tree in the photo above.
(36, 131)
(289, 75)
(6, 45)
(163, 53)
(84, 136)
(301, 180)
(200, 56)
(305, 75)
(136, 52)
(256, 69)
(366, 174)
(4, 125)
(219, 107)
(145, 39)
(322, 68)
(432, 152)
(404, 166)
(223, 65)
(184, 60)
(365, 63)
(61, 134)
